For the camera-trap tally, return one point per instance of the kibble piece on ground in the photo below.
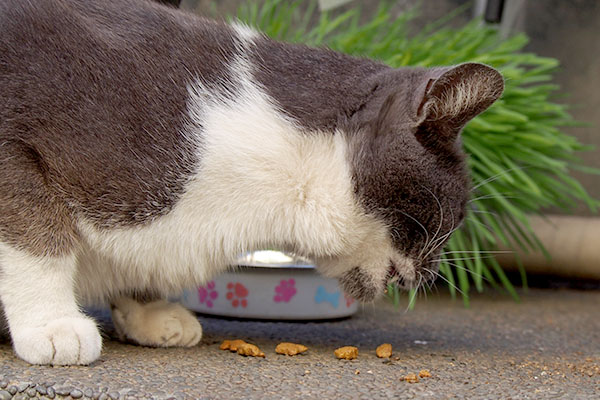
(411, 378)
(231, 345)
(247, 349)
(346, 352)
(225, 345)
(384, 350)
(424, 374)
(290, 349)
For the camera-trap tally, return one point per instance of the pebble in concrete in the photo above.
(23, 386)
(63, 391)
(41, 390)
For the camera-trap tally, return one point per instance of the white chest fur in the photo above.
(261, 182)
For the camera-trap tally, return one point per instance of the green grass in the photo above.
(519, 157)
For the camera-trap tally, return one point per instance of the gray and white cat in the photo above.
(142, 149)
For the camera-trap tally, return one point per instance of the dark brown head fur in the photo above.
(403, 129)
(409, 166)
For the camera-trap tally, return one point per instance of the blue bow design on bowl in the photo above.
(322, 296)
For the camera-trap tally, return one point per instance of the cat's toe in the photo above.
(175, 326)
(168, 333)
(64, 341)
(157, 324)
(191, 328)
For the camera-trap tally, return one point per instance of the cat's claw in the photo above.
(63, 341)
(157, 324)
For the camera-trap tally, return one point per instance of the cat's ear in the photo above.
(455, 96)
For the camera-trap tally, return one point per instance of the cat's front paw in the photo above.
(63, 341)
(157, 324)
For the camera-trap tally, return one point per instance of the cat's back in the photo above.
(42, 39)
(28, 24)
(97, 89)
(118, 22)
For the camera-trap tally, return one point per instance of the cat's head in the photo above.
(409, 172)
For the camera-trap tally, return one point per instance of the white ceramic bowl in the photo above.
(272, 285)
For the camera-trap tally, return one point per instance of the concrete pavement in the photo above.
(548, 346)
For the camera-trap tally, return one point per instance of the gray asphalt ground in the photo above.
(548, 346)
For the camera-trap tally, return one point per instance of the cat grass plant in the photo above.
(520, 160)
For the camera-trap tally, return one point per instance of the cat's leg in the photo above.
(44, 320)
(38, 242)
(157, 323)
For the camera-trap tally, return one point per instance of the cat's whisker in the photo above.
(484, 212)
(469, 271)
(430, 282)
(423, 284)
(422, 227)
(494, 196)
(477, 251)
(450, 283)
(418, 288)
(480, 223)
(433, 275)
(461, 259)
(497, 176)
(443, 238)
(441, 212)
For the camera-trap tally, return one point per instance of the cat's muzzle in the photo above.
(419, 274)
(403, 281)
(403, 273)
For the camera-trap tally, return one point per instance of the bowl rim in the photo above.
(267, 267)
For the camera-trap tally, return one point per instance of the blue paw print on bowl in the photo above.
(322, 296)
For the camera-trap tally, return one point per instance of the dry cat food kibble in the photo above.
(242, 348)
(231, 345)
(384, 350)
(290, 349)
(346, 352)
(424, 374)
(411, 378)
(247, 349)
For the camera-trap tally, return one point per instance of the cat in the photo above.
(143, 149)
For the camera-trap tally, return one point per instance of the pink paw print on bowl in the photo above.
(349, 300)
(285, 291)
(206, 294)
(236, 293)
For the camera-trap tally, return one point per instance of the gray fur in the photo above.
(92, 105)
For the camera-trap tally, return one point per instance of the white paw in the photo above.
(63, 341)
(157, 324)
